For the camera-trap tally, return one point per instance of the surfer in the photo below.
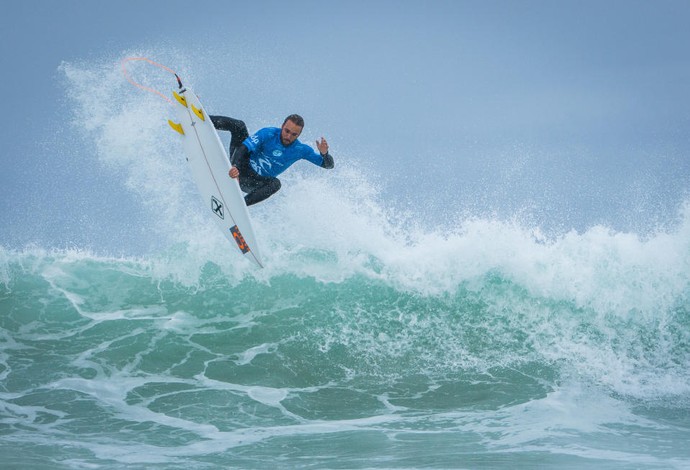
(257, 160)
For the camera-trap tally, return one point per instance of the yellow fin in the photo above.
(181, 99)
(198, 112)
(176, 126)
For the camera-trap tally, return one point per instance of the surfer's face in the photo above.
(289, 132)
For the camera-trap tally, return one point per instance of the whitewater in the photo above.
(370, 340)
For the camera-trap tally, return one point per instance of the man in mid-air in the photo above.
(257, 160)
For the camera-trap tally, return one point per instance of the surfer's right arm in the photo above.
(239, 158)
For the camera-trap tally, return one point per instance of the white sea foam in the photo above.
(334, 225)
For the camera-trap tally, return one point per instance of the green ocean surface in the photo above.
(115, 363)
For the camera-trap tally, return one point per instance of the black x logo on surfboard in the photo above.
(217, 207)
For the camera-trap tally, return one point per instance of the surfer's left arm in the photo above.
(328, 162)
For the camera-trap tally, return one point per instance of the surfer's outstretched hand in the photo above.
(234, 172)
(322, 145)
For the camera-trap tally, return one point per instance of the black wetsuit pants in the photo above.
(256, 186)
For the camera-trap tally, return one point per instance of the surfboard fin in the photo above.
(198, 112)
(176, 126)
(181, 99)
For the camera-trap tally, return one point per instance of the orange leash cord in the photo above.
(143, 87)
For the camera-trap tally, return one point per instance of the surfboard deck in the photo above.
(209, 165)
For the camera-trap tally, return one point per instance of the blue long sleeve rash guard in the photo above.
(269, 157)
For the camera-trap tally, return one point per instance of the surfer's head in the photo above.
(291, 129)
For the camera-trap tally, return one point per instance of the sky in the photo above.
(571, 112)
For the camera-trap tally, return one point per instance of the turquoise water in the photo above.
(372, 339)
(569, 353)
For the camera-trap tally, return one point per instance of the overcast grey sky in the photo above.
(571, 106)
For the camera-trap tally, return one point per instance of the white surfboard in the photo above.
(209, 165)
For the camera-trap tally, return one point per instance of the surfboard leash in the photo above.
(125, 72)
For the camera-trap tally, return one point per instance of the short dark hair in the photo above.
(295, 118)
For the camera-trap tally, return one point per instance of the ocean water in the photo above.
(370, 340)
(572, 353)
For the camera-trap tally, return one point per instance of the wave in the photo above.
(352, 284)
(604, 306)
(332, 225)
